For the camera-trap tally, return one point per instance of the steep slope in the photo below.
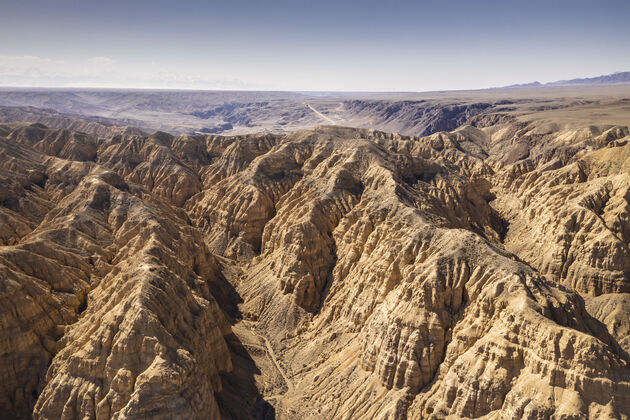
(137, 278)
(374, 289)
(419, 118)
(377, 275)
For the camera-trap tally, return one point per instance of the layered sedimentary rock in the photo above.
(413, 298)
(574, 203)
(116, 290)
(612, 310)
(476, 273)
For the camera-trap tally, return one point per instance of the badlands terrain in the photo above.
(315, 264)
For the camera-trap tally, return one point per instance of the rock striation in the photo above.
(107, 309)
(325, 273)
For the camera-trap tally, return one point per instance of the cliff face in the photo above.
(107, 305)
(420, 117)
(383, 281)
(479, 272)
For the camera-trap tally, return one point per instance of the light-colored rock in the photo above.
(474, 273)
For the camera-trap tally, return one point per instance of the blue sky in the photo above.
(309, 45)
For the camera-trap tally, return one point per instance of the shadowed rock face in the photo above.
(419, 117)
(326, 273)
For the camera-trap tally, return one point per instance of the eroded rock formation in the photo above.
(327, 273)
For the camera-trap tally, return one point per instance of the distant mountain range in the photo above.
(609, 79)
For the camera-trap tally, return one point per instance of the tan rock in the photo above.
(476, 273)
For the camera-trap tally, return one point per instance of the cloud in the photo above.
(26, 60)
(33, 71)
(102, 60)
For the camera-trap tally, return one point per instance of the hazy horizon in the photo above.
(301, 46)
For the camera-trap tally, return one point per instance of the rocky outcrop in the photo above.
(577, 209)
(612, 310)
(378, 275)
(113, 291)
(385, 283)
(419, 118)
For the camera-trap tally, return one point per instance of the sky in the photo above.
(318, 45)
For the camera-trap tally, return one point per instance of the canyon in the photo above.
(459, 255)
